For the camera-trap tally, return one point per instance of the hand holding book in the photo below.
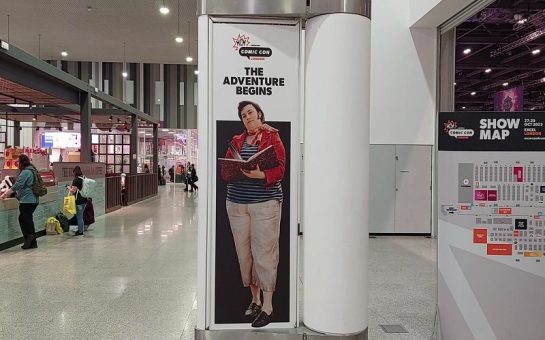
(255, 174)
(236, 169)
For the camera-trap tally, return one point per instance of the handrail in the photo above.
(139, 187)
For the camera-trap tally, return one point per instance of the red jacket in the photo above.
(267, 138)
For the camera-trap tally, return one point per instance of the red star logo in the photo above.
(450, 125)
(240, 41)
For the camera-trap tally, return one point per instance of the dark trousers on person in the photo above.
(26, 221)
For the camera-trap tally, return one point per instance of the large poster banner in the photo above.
(491, 235)
(255, 109)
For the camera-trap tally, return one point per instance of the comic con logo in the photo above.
(245, 48)
(452, 129)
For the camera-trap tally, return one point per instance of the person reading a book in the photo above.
(253, 168)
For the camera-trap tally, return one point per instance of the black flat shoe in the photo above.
(77, 233)
(252, 310)
(30, 242)
(263, 319)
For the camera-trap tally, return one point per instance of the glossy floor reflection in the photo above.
(132, 277)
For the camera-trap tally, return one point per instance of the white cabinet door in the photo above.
(381, 188)
(413, 189)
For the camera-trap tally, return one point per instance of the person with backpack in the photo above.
(25, 189)
(81, 201)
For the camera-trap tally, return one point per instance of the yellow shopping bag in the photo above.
(69, 205)
(53, 227)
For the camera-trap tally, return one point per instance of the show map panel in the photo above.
(506, 205)
(492, 206)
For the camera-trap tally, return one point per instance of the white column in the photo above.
(336, 173)
(204, 201)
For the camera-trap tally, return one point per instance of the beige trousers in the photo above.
(256, 228)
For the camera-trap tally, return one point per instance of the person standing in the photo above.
(28, 201)
(81, 202)
(254, 206)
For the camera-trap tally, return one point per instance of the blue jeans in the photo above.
(79, 215)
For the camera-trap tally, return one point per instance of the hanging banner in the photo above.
(255, 108)
(509, 100)
(491, 234)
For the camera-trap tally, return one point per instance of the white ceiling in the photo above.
(98, 34)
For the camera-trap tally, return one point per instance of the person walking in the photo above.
(193, 177)
(81, 202)
(28, 201)
(171, 173)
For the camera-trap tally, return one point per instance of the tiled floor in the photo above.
(134, 277)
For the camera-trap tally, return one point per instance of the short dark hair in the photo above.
(244, 103)
(77, 171)
(24, 161)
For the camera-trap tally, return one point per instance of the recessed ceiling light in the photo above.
(197, 72)
(454, 84)
(467, 51)
(505, 84)
(179, 40)
(488, 70)
(64, 54)
(473, 93)
(536, 51)
(463, 107)
(189, 59)
(125, 74)
(164, 10)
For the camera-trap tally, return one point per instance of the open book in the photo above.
(231, 167)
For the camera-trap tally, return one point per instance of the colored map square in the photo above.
(480, 195)
(492, 195)
(480, 235)
(518, 171)
(499, 249)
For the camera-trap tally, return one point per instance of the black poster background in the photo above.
(232, 298)
(516, 141)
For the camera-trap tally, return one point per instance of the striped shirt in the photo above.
(252, 190)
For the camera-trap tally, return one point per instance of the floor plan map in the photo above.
(507, 205)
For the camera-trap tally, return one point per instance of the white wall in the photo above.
(432, 13)
(403, 76)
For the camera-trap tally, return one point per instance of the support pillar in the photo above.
(17, 133)
(190, 112)
(134, 144)
(155, 147)
(85, 126)
(336, 231)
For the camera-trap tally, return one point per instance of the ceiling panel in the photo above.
(11, 92)
(98, 34)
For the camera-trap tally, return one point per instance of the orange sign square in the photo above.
(499, 249)
(532, 254)
(505, 211)
(480, 235)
